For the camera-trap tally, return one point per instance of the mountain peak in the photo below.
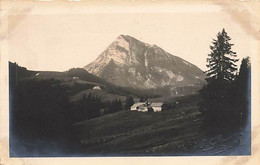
(132, 63)
(122, 38)
(130, 39)
(125, 37)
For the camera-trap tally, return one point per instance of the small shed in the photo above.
(75, 78)
(96, 87)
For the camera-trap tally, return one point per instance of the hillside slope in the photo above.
(79, 82)
(138, 133)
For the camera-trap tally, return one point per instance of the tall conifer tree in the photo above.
(221, 60)
(221, 73)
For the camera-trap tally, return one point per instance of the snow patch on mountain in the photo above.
(149, 83)
(158, 69)
(139, 77)
(132, 70)
(170, 74)
(179, 78)
(145, 59)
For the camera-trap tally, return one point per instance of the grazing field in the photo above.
(142, 133)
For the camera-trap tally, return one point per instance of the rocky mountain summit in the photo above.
(129, 62)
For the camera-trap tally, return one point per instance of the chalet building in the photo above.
(140, 106)
(147, 106)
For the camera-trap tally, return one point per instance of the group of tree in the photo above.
(41, 115)
(129, 101)
(87, 107)
(39, 110)
(226, 95)
(113, 106)
(143, 98)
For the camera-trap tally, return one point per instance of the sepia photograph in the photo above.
(133, 79)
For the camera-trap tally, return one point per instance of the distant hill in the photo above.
(17, 73)
(78, 80)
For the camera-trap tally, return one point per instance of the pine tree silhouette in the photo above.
(221, 74)
(129, 102)
(221, 60)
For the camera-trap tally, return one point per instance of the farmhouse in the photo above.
(140, 106)
(147, 106)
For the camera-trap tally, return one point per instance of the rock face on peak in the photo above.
(129, 62)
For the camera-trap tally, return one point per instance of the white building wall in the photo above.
(142, 109)
(96, 87)
(133, 109)
(157, 109)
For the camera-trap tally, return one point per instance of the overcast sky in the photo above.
(58, 42)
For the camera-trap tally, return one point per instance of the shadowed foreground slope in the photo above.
(178, 131)
(138, 133)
